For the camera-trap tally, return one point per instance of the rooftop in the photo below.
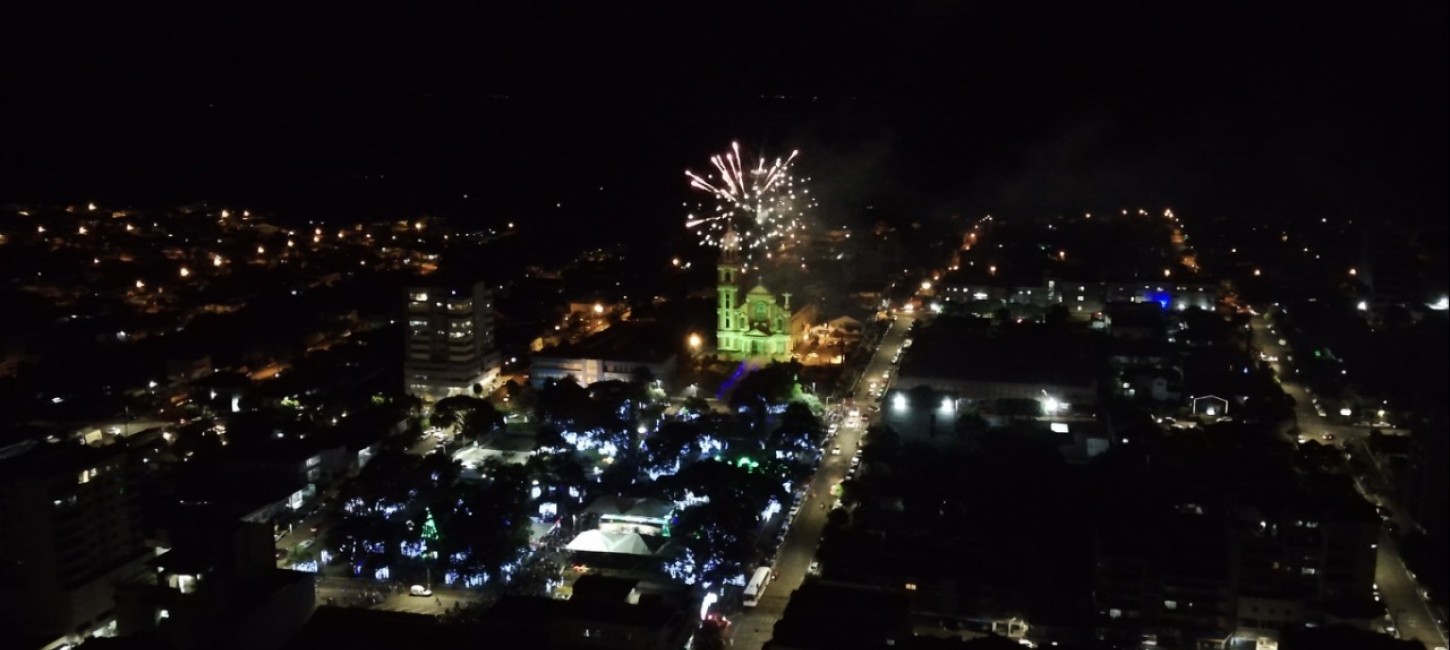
(630, 507)
(637, 341)
(31, 458)
(948, 349)
(827, 615)
(598, 541)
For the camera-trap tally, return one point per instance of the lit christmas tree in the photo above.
(430, 535)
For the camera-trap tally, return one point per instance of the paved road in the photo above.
(1402, 596)
(1408, 609)
(358, 593)
(754, 627)
(299, 532)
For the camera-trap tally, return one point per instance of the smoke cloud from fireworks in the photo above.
(758, 208)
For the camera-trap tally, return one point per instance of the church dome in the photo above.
(759, 290)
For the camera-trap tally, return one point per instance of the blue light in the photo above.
(734, 377)
(1163, 298)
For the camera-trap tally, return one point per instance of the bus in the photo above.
(756, 588)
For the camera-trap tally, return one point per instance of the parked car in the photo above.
(419, 590)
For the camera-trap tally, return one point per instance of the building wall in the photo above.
(278, 618)
(63, 538)
(759, 311)
(1266, 616)
(1326, 560)
(1139, 599)
(588, 371)
(449, 340)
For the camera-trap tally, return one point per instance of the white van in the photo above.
(756, 588)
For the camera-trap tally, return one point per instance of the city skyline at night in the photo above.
(806, 326)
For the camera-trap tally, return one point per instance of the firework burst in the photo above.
(758, 207)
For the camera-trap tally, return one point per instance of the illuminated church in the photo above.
(757, 328)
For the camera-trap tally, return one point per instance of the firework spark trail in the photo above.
(760, 205)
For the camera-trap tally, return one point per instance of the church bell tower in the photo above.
(728, 289)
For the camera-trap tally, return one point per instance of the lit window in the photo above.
(184, 583)
(1081, 298)
(1115, 613)
(1170, 604)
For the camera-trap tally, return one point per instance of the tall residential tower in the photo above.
(70, 527)
(450, 341)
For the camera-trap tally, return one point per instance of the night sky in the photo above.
(918, 110)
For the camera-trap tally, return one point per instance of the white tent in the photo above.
(596, 541)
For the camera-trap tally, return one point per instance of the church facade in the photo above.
(757, 327)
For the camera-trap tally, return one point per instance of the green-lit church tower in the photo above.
(757, 329)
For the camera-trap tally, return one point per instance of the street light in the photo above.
(696, 342)
(1050, 404)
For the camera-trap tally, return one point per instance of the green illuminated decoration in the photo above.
(430, 529)
(759, 327)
